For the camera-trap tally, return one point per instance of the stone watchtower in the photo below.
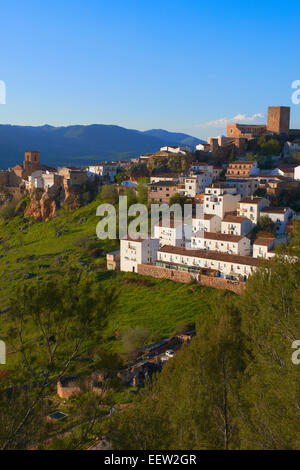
(279, 119)
(31, 162)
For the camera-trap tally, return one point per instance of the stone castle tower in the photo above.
(278, 119)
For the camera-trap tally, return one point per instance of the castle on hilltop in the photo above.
(278, 123)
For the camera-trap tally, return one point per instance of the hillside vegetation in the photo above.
(237, 385)
(32, 253)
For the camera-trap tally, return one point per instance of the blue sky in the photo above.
(177, 65)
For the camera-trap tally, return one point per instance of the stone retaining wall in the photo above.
(181, 276)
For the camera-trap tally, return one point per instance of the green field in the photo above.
(31, 252)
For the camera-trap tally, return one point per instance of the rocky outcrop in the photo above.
(73, 200)
(42, 205)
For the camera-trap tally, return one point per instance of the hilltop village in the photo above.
(247, 185)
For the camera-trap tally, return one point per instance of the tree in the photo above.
(109, 194)
(143, 190)
(232, 156)
(131, 196)
(269, 413)
(133, 339)
(8, 211)
(191, 403)
(120, 176)
(265, 224)
(54, 324)
(269, 146)
(177, 199)
(235, 386)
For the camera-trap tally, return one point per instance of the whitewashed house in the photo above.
(236, 225)
(223, 243)
(251, 207)
(174, 149)
(172, 232)
(164, 177)
(297, 173)
(217, 170)
(243, 187)
(279, 215)
(207, 223)
(218, 200)
(264, 247)
(290, 147)
(204, 147)
(196, 184)
(106, 170)
(137, 251)
(35, 180)
(231, 266)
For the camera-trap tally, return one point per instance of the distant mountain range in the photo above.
(83, 145)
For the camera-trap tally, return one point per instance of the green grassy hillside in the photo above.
(32, 252)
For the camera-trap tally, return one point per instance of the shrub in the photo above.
(8, 211)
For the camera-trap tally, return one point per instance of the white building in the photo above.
(217, 170)
(202, 167)
(287, 172)
(279, 215)
(236, 225)
(196, 184)
(164, 177)
(232, 266)
(43, 179)
(251, 207)
(35, 180)
(221, 242)
(106, 170)
(218, 200)
(174, 149)
(174, 233)
(290, 147)
(205, 147)
(134, 252)
(243, 187)
(264, 248)
(207, 223)
(297, 173)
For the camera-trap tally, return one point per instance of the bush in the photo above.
(95, 253)
(135, 338)
(81, 241)
(8, 211)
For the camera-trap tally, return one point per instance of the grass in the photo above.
(158, 305)
(30, 247)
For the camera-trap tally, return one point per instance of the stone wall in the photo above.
(181, 276)
(164, 273)
(219, 283)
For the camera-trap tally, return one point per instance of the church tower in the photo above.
(31, 162)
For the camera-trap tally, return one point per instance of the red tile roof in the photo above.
(250, 200)
(223, 237)
(213, 255)
(205, 217)
(234, 219)
(264, 241)
(275, 210)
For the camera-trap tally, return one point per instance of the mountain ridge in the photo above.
(83, 144)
